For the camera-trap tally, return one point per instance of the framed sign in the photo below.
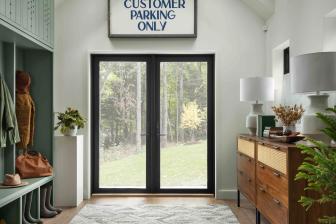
(152, 18)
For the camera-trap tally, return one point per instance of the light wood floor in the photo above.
(245, 214)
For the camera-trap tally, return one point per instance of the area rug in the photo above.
(155, 214)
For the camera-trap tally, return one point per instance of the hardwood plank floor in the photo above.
(245, 214)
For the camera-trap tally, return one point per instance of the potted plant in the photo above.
(319, 168)
(288, 115)
(69, 122)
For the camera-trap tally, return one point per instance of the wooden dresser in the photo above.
(266, 171)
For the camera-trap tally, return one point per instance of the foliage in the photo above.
(69, 119)
(319, 168)
(288, 115)
(192, 116)
(185, 82)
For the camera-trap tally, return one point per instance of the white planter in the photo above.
(70, 132)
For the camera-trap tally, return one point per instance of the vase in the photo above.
(70, 131)
(288, 129)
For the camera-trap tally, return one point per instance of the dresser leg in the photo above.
(238, 198)
(257, 216)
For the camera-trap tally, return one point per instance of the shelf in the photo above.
(11, 194)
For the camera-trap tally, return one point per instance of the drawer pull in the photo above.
(276, 147)
(261, 189)
(276, 174)
(276, 201)
(261, 166)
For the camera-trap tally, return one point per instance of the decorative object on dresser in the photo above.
(288, 116)
(70, 121)
(318, 169)
(254, 90)
(263, 122)
(266, 176)
(313, 73)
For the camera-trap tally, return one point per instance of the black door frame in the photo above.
(153, 112)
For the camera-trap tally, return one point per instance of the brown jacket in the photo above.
(25, 110)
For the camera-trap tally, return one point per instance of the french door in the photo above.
(152, 123)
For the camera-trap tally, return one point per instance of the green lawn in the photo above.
(181, 166)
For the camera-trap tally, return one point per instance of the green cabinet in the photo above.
(33, 17)
(12, 11)
(2, 7)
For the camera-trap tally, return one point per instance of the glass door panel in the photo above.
(122, 124)
(183, 125)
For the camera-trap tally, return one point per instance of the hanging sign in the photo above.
(152, 18)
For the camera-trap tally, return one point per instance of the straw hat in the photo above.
(12, 181)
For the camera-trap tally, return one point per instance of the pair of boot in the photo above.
(46, 209)
(26, 206)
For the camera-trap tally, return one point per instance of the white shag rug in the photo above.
(155, 214)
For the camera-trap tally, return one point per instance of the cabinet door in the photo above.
(26, 11)
(11, 10)
(47, 14)
(3, 7)
(34, 17)
(51, 22)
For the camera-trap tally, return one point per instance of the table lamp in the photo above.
(312, 74)
(256, 90)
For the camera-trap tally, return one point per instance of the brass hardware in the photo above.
(276, 201)
(276, 174)
(261, 189)
(276, 147)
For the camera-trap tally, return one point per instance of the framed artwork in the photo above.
(152, 18)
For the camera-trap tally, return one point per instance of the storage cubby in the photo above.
(18, 53)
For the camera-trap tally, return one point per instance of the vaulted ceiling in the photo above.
(263, 8)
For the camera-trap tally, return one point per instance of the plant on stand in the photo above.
(69, 122)
(319, 168)
(288, 115)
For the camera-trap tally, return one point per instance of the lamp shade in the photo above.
(314, 72)
(257, 89)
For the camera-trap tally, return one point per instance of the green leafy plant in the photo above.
(70, 119)
(319, 168)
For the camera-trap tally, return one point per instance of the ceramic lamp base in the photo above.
(311, 125)
(251, 119)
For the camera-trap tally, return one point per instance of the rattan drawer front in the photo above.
(273, 158)
(246, 147)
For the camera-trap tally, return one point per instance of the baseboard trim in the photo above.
(151, 195)
(226, 194)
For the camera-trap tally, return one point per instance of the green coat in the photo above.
(9, 132)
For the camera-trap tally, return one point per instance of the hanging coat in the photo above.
(9, 132)
(25, 110)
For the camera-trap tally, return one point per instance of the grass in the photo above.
(181, 166)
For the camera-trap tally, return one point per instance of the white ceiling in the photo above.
(263, 8)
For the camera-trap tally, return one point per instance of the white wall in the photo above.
(306, 25)
(227, 27)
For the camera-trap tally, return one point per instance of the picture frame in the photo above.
(125, 21)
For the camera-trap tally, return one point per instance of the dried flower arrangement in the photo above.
(288, 115)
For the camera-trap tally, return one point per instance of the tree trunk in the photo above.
(138, 109)
(180, 100)
(164, 128)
